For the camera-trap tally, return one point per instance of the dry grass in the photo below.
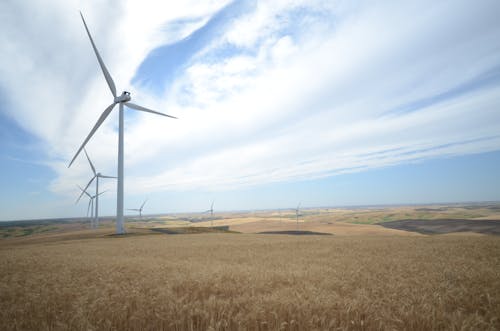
(357, 221)
(251, 282)
(348, 222)
(337, 228)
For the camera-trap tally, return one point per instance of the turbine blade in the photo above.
(212, 206)
(81, 194)
(109, 80)
(137, 107)
(103, 192)
(90, 182)
(81, 189)
(79, 197)
(94, 129)
(88, 208)
(91, 165)
(143, 203)
(102, 176)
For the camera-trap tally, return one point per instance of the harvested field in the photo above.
(191, 230)
(218, 281)
(296, 233)
(336, 228)
(443, 226)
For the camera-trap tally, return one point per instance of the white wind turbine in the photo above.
(121, 100)
(139, 209)
(90, 207)
(211, 210)
(297, 215)
(97, 175)
(91, 204)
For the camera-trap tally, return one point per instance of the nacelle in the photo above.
(123, 98)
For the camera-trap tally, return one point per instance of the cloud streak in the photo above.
(282, 91)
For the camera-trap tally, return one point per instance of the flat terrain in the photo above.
(251, 282)
(176, 273)
(337, 221)
(442, 226)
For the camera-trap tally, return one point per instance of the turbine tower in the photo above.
(91, 204)
(122, 100)
(97, 175)
(90, 207)
(297, 215)
(211, 210)
(140, 209)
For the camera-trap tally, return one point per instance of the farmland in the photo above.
(363, 277)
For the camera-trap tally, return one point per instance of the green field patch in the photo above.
(17, 231)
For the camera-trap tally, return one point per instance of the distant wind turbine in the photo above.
(211, 210)
(121, 100)
(90, 207)
(140, 209)
(297, 215)
(97, 175)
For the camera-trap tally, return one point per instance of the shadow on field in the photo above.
(297, 233)
(193, 230)
(443, 226)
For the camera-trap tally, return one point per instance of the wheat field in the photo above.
(251, 282)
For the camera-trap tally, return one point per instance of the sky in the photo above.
(327, 103)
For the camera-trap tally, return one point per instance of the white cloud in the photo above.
(327, 107)
(51, 79)
(309, 89)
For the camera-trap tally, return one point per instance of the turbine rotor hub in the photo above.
(123, 98)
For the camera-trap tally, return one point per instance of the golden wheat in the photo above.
(251, 282)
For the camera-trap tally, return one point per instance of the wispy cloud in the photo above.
(282, 90)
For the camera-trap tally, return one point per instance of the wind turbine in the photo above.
(97, 175)
(90, 206)
(140, 209)
(297, 215)
(121, 100)
(211, 210)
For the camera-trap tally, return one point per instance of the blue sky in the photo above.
(324, 102)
